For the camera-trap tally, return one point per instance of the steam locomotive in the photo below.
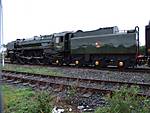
(100, 48)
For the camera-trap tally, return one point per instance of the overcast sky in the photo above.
(27, 18)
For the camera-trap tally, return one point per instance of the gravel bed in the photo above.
(92, 101)
(103, 74)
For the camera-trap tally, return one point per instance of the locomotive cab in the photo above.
(61, 47)
(58, 43)
(62, 41)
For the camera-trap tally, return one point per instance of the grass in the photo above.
(24, 100)
(31, 69)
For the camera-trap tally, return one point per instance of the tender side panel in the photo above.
(105, 44)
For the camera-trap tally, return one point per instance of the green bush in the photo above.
(126, 101)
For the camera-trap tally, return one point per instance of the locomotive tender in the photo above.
(100, 48)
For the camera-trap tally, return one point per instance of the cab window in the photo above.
(59, 39)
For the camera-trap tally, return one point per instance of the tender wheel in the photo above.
(59, 62)
(100, 64)
(78, 63)
(121, 65)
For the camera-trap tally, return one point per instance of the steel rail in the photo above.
(91, 84)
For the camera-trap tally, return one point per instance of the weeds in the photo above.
(126, 101)
(72, 95)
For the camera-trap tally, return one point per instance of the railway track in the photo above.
(137, 70)
(104, 86)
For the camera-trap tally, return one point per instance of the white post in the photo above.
(1, 42)
(2, 35)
